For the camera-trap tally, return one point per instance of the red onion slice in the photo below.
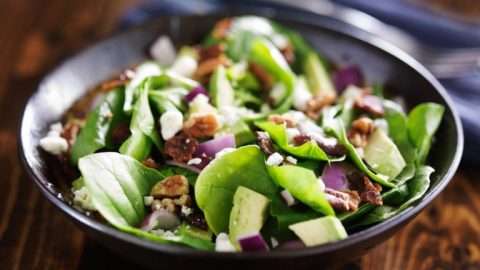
(212, 147)
(347, 76)
(335, 175)
(199, 90)
(252, 242)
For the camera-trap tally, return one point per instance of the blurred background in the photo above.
(35, 36)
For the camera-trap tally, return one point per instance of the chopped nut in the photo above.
(168, 205)
(361, 128)
(184, 200)
(288, 53)
(71, 130)
(181, 147)
(317, 103)
(207, 67)
(209, 52)
(342, 200)
(151, 163)
(282, 119)
(221, 28)
(369, 191)
(265, 143)
(263, 76)
(171, 187)
(201, 125)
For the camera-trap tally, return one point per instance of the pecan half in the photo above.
(221, 28)
(358, 133)
(170, 187)
(369, 191)
(288, 53)
(181, 147)
(209, 52)
(207, 67)
(317, 103)
(266, 80)
(342, 200)
(370, 104)
(201, 125)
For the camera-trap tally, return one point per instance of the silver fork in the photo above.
(443, 63)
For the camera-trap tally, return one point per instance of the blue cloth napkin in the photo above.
(430, 28)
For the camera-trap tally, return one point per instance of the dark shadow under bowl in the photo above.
(342, 44)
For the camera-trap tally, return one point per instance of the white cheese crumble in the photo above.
(82, 199)
(194, 161)
(187, 211)
(274, 159)
(292, 133)
(274, 242)
(53, 143)
(185, 65)
(147, 200)
(201, 105)
(223, 244)
(301, 95)
(288, 198)
(279, 40)
(230, 115)
(171, 122)
(224, 151)
(291, 159)
(277, 92)
(163, 51)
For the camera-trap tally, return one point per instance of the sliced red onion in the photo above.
(183, 165)
(199, 90)
(252, 242)
(335, 175)
(293, 244)
(160, 219)
(347, 76)
(211, 147)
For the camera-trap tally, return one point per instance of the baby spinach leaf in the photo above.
(263, 53)
(278, 134)
(285, 215)
(397, 130)
(168, 99)
(217, 183)
(142, 72)
(117, 184)
(303, 185)
(335, 126)
(417, 187)
(96, 134)
(137, 146)
(423, 122)
(407, 173)
(169, 170)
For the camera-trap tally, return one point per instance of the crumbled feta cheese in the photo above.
(288, 198)
(224, 151)
(187, 211)
(57, 127)
(163, 51)
(301, 95)
(298, 116)
(274, 159)
(171, 122)
(143, 71)
(200, 104)
(277, 92)
(321, 184)
(82, 199)
(291, 159)
(230, 115)
(309, 128)
(194, 161)
(169, 234)
(55, 145)
(223, 244)
(185, 65)
(274, 242)
(147, 200)
(292, 133)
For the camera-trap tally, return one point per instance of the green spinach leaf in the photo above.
(217, 183)
(96, 134)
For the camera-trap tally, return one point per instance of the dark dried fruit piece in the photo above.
(209, 52)
(181, 147)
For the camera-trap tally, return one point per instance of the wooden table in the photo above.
(35, 36)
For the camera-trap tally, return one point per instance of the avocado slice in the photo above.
(317, 76)
(382, 155)
(248, 214)
(242, 132)
(221, 90)
(319, 231)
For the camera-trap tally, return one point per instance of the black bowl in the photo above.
(342, 44)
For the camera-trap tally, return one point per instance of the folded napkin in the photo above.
(429, 27)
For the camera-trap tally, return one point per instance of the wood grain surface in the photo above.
(36, 35)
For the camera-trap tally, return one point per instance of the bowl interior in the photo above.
(380, 63)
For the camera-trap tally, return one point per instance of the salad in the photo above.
(247, 141)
